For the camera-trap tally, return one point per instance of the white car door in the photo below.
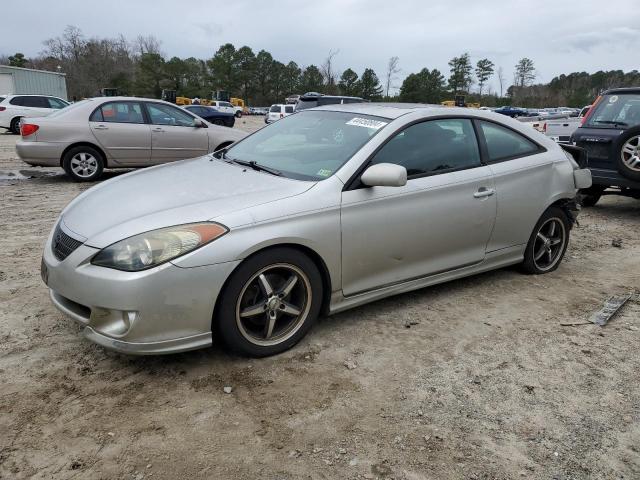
(440, 220)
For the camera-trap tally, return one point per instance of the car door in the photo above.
(121, 130)
(522, 170)
(439, 221)
(174, 135)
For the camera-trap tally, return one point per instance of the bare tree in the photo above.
(392, 70)
(147, 44)
(501, 80)
(328, 72)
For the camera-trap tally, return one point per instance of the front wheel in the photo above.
(590, 196)
(238, 114)
(83, 164)
(547, 243)
(270, 302)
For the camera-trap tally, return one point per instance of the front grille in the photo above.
(63, 244)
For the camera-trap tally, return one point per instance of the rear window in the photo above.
(304, 104)
(614, 111)
(275, 109)
(503, 143)
(33, 102)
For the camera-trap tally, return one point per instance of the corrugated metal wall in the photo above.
(26, 80)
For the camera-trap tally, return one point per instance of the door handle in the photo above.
(484, 192)
(158, 129)
(101, 127)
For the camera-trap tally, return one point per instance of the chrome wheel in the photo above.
(273, 304)
(630, 153)
(84, 165)
(549, 244)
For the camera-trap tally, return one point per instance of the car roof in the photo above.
(11, 95)
(618, 91)
(387, 110)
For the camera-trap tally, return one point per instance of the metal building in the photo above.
(16, 80)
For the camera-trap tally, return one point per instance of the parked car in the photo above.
(212, 115)
(561, 129)
(610, 133)
(321, 211)
(118, 132)
(278, 111)
(13, 108)
(227, 107)
(314, 99)
(513, 112)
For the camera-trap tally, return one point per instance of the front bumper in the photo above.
(166, 309)
(43, 154)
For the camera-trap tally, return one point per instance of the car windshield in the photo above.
(309, 145)
(616, 111)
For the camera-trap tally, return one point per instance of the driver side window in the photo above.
(167, 115)
(432, 147)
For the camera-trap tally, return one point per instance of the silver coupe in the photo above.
(322, 211)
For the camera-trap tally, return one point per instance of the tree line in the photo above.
(138, 67)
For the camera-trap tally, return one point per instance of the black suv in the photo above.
(610, 133)
(313, 99)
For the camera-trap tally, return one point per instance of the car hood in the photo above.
(182, 192)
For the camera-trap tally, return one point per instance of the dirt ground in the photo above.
(473, 379)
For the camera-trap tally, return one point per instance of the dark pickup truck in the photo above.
(610, 133)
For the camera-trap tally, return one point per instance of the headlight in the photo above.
(157, 246)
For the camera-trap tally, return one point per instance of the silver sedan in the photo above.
(322, 211)
(118, 132)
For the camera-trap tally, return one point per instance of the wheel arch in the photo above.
(223, 145)
(84, 144)
(315, 257)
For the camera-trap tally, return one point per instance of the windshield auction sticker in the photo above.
(366, 123)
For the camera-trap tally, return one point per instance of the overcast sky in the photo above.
(561, 36)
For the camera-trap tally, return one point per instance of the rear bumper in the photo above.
(612, 178)
(44, 154)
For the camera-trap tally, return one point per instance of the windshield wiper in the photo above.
(612, 122)
(256, 166)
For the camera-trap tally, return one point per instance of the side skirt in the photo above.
(493, 260)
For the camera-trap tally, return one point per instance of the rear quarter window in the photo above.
(504, 143)
(288, 109)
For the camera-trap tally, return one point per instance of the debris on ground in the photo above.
(609, 309)
(350, 364)
(616, 242)
(227, 389)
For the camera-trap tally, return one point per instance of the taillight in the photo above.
(544, 127)
(593, 107)
(27, 129)
(2, 109)
(282, 115)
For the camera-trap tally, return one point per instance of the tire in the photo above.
(590, 196)
(542, 256)
(267, 328)
(218, 121)
(627, 153)
(238, 114)
(14, 127)
(83, 164)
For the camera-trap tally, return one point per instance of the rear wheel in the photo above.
(218, 121)
(238, 114)
(83, 164)
(548, 242)
(270, 302)
(15, 126)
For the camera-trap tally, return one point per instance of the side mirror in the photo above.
(385, 175)
(199, 123)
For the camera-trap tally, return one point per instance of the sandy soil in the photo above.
(474, 379)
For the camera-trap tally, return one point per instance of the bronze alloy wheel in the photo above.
(273, 304)
(549, 244)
